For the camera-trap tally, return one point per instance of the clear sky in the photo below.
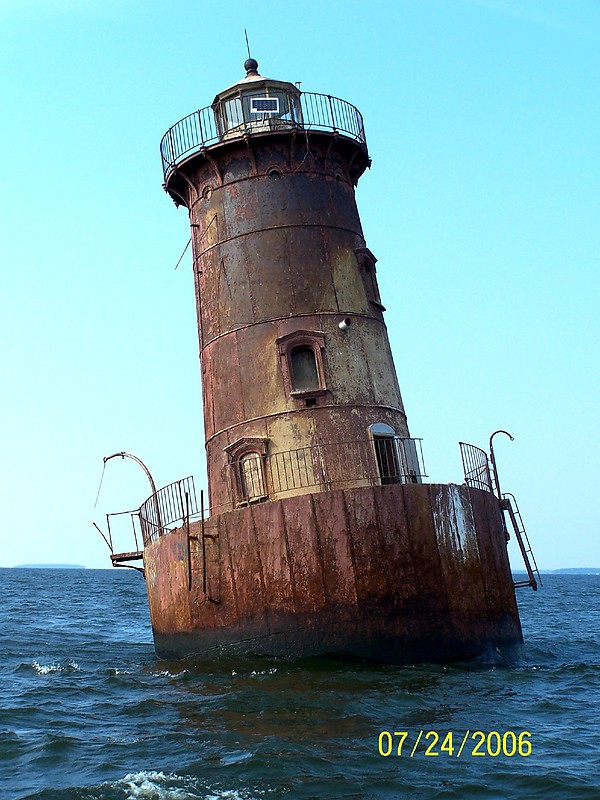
(482, 207)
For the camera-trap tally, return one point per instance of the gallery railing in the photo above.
(262, 477)
(385, 460)
(314, 112)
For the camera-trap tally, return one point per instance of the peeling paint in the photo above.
(454, 523)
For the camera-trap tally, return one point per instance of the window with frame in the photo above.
(386, 453)
(366, 262)
(302, 365)
(247, 461)
(305, 372)
(252, 479)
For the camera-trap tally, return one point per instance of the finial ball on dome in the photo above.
(251, 65)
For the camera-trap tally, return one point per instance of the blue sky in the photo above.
(482, 207)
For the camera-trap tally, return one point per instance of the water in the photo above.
(89, 713)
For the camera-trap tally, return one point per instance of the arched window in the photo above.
(386, 452)
(247, 460)
(302, 365)
(251, 475)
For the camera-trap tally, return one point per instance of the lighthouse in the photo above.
(293, 346)
(320, 533)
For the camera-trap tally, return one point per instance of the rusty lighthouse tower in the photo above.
(293, 346)
(321, 535)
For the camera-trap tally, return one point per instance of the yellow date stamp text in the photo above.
(455, 745)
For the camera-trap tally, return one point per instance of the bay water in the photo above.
(88, 712)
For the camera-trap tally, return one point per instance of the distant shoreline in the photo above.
(49, 566)
(564, 571)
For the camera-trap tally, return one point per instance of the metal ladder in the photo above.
(509, 504)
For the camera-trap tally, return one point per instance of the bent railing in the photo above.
(172, 503)
(476, 467)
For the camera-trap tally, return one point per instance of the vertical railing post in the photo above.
(189, 544)
(172, 148)
(202, 137)
(333, 125)
(204, 580)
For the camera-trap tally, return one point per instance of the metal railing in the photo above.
(172, 503)
(326, 465)
(319, 112)
(319, 465)
(476, 467)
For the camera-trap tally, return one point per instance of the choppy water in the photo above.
(89, 713)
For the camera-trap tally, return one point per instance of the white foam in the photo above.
(256, 673)
(149, 785)
(166, 674)
(152, 785)
(46, 669)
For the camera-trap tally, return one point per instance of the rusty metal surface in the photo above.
(317, 467)
(325, 559)
(274, 254)
(392, 573)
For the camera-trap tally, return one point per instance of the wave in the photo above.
(165, 673)
(162, 786)
(47, 669)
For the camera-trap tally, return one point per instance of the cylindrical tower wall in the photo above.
(279, 262)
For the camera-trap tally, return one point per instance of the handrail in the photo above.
(320, 112)
(476, 467)
(395, 460)
(174, 502)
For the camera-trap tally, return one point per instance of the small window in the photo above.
(371, 286)
(247, 463)
(366, 262)
(305, 375)
(386, 452)
(231, 114)
(302, 364)
(251, 477)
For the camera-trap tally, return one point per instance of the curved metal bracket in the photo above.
(493, 460)
(139, 461)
